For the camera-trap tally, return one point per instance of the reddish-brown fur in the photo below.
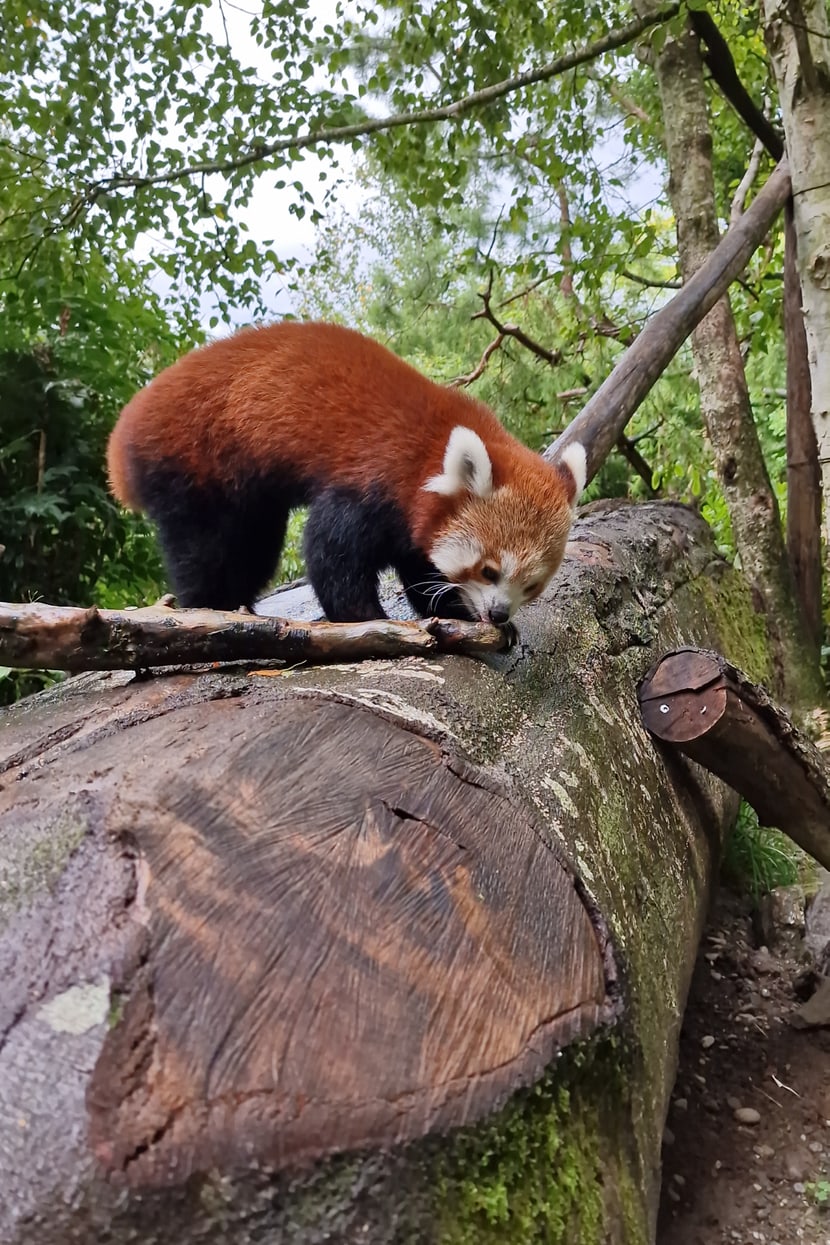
(328, 404)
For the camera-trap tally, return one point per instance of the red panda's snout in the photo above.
(503, 544)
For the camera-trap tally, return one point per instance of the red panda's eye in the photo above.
(490, 574)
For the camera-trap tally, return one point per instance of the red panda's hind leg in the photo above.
(220, 544)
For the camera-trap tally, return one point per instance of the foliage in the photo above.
(134, 122)
(135, 126)
(757, 859)
(76, 342)
(819, 1191)
(80, 332)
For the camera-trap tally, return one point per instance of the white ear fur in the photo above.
(467, 466)
(574, 460)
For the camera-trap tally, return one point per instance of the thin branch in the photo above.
(554, 357)
(625, 102)
(460, 381)
(649, 432)
(374, 125)
(626, 447)
(528, 289)
(51, 637)
(651, 282)
(566, 285)
(488, 253)
(719, 61)
(225, 25)
(41, 460)
(741, 194)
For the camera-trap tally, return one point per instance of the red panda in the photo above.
(398, 471)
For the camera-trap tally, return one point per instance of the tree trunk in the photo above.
(803, 471)
(293, 957)
(798, 38)
(724, 396)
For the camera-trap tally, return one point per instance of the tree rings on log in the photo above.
(320, 930)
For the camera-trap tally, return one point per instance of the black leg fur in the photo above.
(220, 544)
(347, 543)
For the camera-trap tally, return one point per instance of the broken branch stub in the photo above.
(708, 709)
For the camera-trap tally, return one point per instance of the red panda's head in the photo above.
(502, 544)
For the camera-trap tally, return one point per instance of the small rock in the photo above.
(781, 919)
(733, 1103)
(747, 1115)
(815, 1147)
(707, 1041)
(673, 1194)
(762, 962)
(668, 1136)
(710, 1104)
(764, 1152)
(678, 1179)
(798, 1187)
(817, 936)
(797, 1164)
(681, 1104)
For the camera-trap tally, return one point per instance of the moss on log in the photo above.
(390, 952)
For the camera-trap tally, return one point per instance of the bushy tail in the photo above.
(119, 468)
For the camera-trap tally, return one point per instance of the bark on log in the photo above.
(277, 953)
(713, 713)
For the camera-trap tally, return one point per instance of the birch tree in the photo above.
(798, 37)
(719, 368)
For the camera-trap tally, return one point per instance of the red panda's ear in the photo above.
(573, 466)
(467, 467)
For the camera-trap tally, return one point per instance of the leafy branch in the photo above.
(373, 125)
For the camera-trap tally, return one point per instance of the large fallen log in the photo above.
(386, 952)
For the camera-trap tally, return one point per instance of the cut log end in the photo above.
(699, 703)
(284, 931)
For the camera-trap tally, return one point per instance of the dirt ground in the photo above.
(727, 1181)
